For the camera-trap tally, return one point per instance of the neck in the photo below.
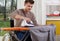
(25, 10)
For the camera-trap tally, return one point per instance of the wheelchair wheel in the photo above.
(6, 37)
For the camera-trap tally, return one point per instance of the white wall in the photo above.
(43, 12)
(38, 10)
(53, 2)
(20, 4)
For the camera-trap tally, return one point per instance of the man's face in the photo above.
(28, 6)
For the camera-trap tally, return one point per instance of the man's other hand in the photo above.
(27, 19)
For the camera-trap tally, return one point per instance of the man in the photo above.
(24, 14)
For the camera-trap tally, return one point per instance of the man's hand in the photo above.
(18, 17)
(27, 19)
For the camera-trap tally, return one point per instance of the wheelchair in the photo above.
(11, 36)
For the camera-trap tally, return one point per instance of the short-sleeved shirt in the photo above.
(25, 14)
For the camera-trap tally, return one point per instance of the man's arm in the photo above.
(34, 20)
(17, 16)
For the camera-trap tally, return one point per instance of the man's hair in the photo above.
(30, 1)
